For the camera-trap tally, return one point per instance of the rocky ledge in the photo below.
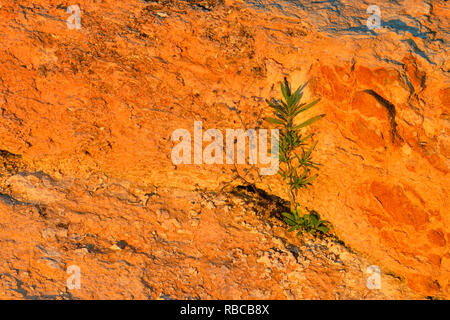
(87, 178)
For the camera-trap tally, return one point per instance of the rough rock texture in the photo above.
(86, 171)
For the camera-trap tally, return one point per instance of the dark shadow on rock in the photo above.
(273, 205)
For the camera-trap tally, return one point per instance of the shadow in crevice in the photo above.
(417, 50)
(10, 163)
(25, 293)
(391, 113)
(398, 25)
(273, 205)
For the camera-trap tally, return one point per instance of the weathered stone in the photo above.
(86, 122)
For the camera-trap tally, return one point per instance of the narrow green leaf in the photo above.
(288, 87)
(305, 138)
(314, 220)
(308, 153)
(274, 121)
(308, 122)
(284, 92)
(281, 116)
(275, 105)
(309, 180)
(296, 98)
(310, 105)
(287, 215)
(302, 87)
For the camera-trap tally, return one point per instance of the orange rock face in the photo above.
(87, 178)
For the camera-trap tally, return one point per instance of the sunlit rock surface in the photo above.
(87, 177)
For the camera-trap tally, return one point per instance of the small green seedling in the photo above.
(296, 168)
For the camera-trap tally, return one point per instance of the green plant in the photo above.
(310, 222)
(295, 168)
